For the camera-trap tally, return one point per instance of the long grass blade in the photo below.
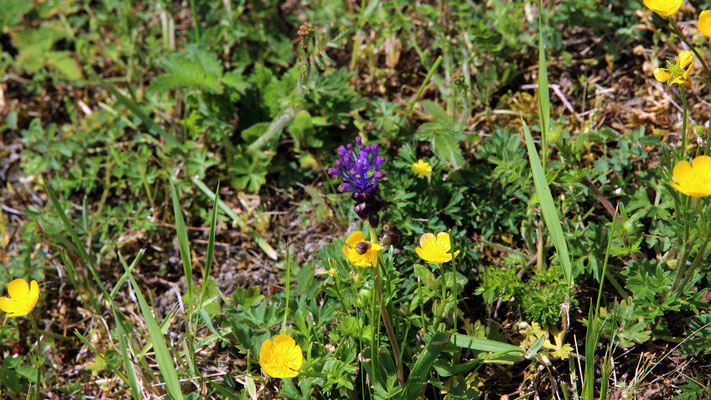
(165, 361)
(183, 243)
(544, 98)
(550, 214)
(210, 246)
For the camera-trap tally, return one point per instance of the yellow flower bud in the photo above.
(685, 58)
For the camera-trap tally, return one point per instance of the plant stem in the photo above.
(683, 122)
(708, 136)
(288, 283)
(422, 87)
(39, 358)
(386, 315)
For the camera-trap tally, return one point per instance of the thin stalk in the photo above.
(697, 260)
(288, 283)
(193, 9)
(386, 315)
(683, 122)
(422, 87)
(708, 136)
(39, 358)
(604, 265)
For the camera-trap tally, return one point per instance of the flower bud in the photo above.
(362, 247)
(373, 220)
(391, 238)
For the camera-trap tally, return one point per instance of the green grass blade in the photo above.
(591, 339)
(544, 100)
(130, 371)
(75, 238)
(183, 243)
(261, 242)
(165, 361)
(550, 214)
(210, 246)
(133, 107)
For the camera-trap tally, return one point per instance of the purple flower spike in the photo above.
(360, 168)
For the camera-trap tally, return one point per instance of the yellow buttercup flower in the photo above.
(704, 23)
(677, 72)
(435, 249)
(421, 168)
(693, 179)
(22, 300)
(360, 252)
(281, 358)
(665, 8)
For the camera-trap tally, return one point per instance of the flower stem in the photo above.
(39, 358)
(386, 315)
(683, 122)
(288, 283)
(708, 136)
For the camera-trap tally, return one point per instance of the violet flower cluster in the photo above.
(360, 169)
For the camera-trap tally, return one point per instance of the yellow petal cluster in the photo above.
(368, 258)
(704, 23)
(22, 300)
(421, 168)
(677, 72)
(693, 179)
(281, 358)
(665, 8)
(435, 249)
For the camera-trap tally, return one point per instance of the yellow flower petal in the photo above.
(661, 75)
(281, 358)
(368, 259)
(421, 168)
(704, 23)
(435, 249)
(685, 59)
(18, 288)
(693, 179)
(22, 300)
(665, 8)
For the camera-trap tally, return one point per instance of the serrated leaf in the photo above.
(446, 148)
(64, 64)
(193, 67)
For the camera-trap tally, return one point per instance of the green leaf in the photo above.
(550, 214)
(64, 64)
(421, 370)
(502, 351)
(191, 67)
(446, 148)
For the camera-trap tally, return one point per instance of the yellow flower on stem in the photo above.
(360, 252)
(665, 8)
(677, 72)
(704, 23)
(22, 300)
(281, 358)
(421, 168)
(693, 179)
(435, 249)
